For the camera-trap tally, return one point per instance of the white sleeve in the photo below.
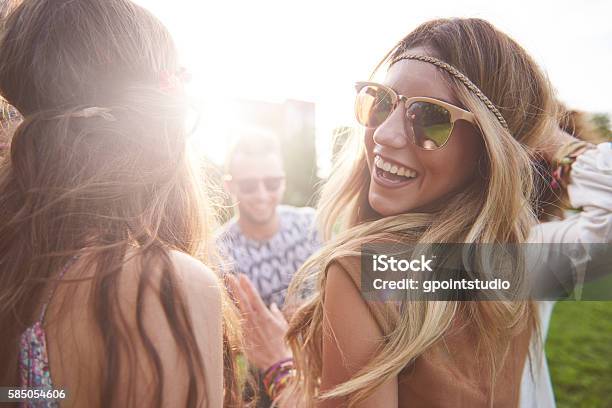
(572, 239)
(590, 188)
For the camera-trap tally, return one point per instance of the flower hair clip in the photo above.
(172, 81)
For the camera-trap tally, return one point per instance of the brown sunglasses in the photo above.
(431, 120)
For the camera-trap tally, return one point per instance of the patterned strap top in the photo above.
(33, 358)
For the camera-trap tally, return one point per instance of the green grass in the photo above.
(579, 350)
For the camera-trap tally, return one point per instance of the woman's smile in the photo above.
(390, 174)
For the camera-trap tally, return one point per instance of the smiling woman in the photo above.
(440, 169)
(469, 155)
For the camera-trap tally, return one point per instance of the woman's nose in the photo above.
(392, 132)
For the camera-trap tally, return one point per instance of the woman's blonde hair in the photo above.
(497, 207)
(98, 166)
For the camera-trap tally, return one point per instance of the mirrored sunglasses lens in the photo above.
(373, 105)
(431, 124)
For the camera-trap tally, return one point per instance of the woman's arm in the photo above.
(202, 298)
(351, 338)
(590, 188)
(203, 290)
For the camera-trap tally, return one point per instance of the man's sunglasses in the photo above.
(430, 120)
(251, 185)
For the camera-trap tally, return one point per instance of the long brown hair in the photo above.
(497, 208)
(97, 166)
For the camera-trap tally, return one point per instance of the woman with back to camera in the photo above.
(102, 216)
(451, 137)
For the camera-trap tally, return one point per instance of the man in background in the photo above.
(265, 241)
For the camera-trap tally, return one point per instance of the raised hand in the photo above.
(264, 328)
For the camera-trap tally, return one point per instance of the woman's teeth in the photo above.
(394, 169)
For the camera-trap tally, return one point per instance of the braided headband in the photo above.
(461, 77)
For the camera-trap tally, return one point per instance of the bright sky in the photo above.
(314, 50)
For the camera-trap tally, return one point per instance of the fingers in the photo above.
(281, 320)
(276, 312)
(255, 301)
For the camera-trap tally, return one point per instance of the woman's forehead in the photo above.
(417, 78)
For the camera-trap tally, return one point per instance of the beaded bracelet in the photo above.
(279, 384)
(271, 376)
(562, 163)
(277, 376)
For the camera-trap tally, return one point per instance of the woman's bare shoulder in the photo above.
(195, 275)
(194, 286)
